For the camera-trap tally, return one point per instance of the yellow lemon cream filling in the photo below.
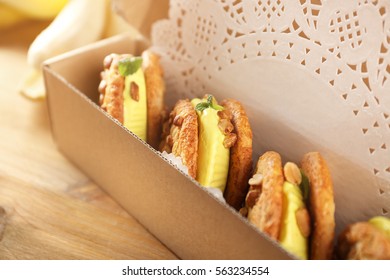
(381, 223)
(213, 157)
(290, 236)
(134, 104)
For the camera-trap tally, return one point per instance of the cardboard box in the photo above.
(169, 204)
(284, 117)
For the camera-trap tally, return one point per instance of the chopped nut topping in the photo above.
(224, 115)
(107, 61)
(243, 212)
(252, 197)
(292, 173)
(256, 179)
(178, 120)
(225, 126)
(230, 140)
(303, 221)
(102, 86)
(134, 91)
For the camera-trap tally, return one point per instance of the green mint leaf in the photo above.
(213, 103)
(201, 106)
(210, 100)
(304, 185)
(130, 65)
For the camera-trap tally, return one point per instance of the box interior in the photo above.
(176, 209)
(304, 86)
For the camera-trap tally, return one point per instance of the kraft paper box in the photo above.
(312, 76)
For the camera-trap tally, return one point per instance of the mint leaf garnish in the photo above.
(201, 106)
(210, 103)
(129, 65)
(210, 99)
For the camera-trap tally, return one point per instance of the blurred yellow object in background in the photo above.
(78, 23)
(10, 16)
(35, 9)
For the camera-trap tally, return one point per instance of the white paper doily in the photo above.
(317, 70)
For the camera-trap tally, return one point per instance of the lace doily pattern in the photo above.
(345, 44)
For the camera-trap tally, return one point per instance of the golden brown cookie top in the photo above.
(180, 135)
(322, 206)
(240, 165)
(111, 86)
(363, 241)
(155, 91)
(265, 196)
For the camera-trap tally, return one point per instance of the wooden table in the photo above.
(48, 208)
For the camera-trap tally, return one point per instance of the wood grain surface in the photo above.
(48, 208)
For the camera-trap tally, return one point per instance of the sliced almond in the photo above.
(134, 91)
(178, 120)
(224, 114)
(108, 61)
(256, 179)
(303, 221)
(225, 126)
(230, 140)
(292, 173)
